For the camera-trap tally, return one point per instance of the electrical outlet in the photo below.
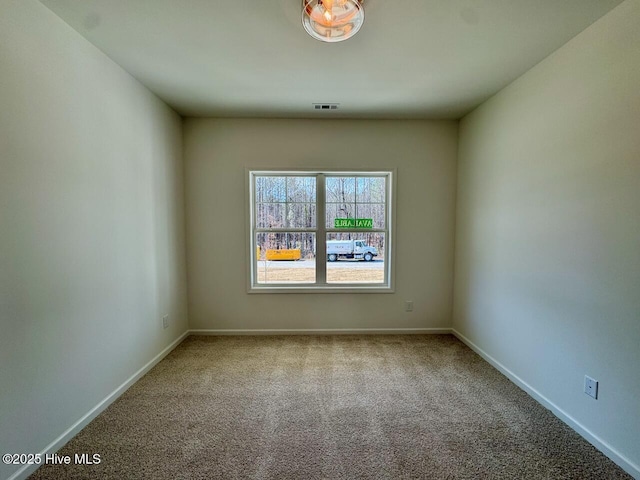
(408, 306)
(165, 321)
(591, 387)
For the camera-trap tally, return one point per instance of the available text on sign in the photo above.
(353, 223)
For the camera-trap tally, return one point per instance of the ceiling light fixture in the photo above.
(332, 20)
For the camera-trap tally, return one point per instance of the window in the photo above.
(320, 231)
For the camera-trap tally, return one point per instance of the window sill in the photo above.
(316, 289)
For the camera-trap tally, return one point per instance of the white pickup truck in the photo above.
(357, 249)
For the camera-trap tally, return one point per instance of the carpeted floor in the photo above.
(307, 407)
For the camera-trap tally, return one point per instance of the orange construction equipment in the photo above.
(284, 254)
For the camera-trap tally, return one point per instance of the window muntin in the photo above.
(285, 233)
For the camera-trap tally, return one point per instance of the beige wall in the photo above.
(216, 154)
(91, 213)
(547, 277)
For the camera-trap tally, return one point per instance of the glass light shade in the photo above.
(332, 20)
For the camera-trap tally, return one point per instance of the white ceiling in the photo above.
(412, 58)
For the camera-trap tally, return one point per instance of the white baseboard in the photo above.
(624, 463)
(322, 331)
(74, 429)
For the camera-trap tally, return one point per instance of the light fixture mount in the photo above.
(332, 20)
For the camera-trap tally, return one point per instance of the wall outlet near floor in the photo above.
(591, 387)
(408, 306)
(165, 321)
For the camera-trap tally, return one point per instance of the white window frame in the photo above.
(321, 231)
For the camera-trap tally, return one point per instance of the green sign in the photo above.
(353, 223)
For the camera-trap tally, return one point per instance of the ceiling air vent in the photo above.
(325, 106)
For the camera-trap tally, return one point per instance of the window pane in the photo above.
(286, 257)
(355, 257)
(341, 189)
(301, 215)
(339, 210)
(370, 190)
(270, 189)
(301, 189)
(374, 211)
(270, 215)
